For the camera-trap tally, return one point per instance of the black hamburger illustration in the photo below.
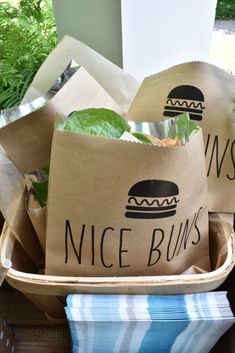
(151, 199)
(185, 99)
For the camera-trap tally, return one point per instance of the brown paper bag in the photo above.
(220, 230)
(37, 216)
(121, 86)
(27, 141)
(206, 93)
(100, 192)
(12, 205)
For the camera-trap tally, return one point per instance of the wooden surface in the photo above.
(36, 348)
(42, 339)
(18, 310)
(33, 331)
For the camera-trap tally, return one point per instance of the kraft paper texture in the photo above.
(12, 203)
(27, 141)
(121, 86)
(37, 216)
(91, 231)
(206, 93)
(221, 225)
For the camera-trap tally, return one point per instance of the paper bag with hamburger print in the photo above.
(207, 93)
(119, 207)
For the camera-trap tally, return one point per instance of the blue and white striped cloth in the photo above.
(190, 323)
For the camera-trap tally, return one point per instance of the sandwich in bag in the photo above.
(126, 203)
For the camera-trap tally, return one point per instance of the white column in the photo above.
(157, 34)
(96, 23)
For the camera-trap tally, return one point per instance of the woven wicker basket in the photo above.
(47, 292)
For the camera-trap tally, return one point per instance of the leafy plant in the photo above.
(225, 10)
(27, 36)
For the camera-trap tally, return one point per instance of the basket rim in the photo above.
(40, 279)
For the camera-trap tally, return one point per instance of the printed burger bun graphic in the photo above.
(149, 199)
(185, 99)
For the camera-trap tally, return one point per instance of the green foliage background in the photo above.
(225, 10)
(27, 36)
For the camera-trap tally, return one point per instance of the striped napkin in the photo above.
(190, 323)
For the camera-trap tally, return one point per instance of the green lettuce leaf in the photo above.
(185, 127)
(141, 137)
(41, 187)
(97, 121)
